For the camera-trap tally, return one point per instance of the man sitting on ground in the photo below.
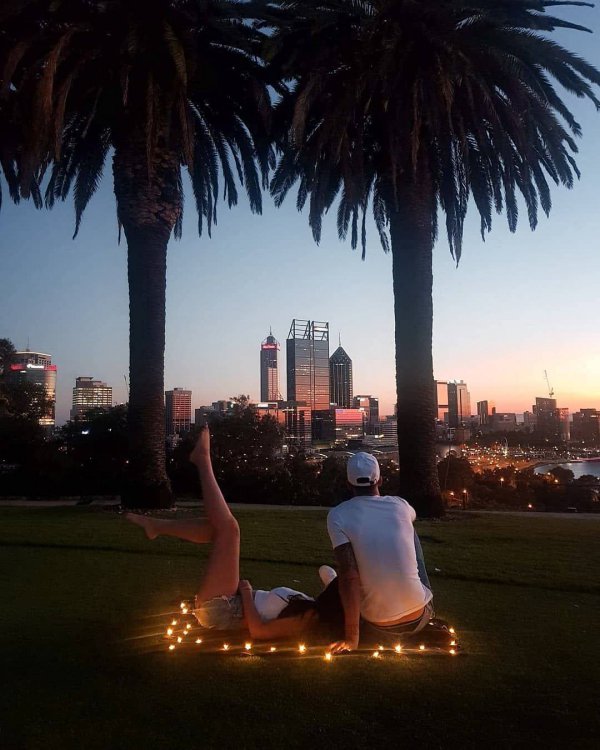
(382, 578)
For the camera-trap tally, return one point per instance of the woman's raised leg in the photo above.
(222, 574)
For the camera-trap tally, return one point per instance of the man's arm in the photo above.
(349, 585)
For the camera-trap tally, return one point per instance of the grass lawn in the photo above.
(79, 586)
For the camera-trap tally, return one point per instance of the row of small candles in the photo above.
(302, 648)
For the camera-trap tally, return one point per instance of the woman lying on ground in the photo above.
(223, 602)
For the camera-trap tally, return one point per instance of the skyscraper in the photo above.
(547, 418)
(340, 378)
(307, 349)
(485, 412)
(37, 368)
(459, 404)
(269, 369)
(307, 354)
(90, 394)
(178, 410)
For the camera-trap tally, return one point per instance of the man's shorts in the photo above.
(389, 636)
(221, 613)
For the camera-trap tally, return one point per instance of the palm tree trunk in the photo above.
(148, 204)
(411, 237)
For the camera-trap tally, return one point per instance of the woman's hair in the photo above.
(328, 610)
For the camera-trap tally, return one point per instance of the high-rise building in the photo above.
(485, 411)
(586, 426)
(178, 411)
(269, 370)
(340, 378)
(547, 418)
(90, 394)
(37, 368)
(307, 354)
(307, 349)
(369, 405)
(459, 404)
(441, 394)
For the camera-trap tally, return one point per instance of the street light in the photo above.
(465, 495)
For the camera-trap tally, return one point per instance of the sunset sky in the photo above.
(516, 305)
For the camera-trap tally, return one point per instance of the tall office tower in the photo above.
(37, 368)
(485, 411)
(307, 354)
(307, 349)
(459, 404)
(178, 410)
(547, 420)
(340, 378)
(370, 407)
(441, 395)
(90, 394)
(269, 370)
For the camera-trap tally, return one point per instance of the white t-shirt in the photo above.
(270, 604)
(380, 530)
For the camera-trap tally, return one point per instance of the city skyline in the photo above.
(196, 403)
(517, 305)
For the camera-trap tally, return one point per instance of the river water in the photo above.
(579, 468)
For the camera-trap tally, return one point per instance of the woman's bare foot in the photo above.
(202, 448)
(145, 522)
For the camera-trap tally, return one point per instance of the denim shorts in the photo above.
(221, 613)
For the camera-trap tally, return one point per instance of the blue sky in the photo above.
(516, 305)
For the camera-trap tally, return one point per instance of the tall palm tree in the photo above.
(160, 86)
(411, 106)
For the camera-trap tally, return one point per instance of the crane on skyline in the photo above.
(550, 388)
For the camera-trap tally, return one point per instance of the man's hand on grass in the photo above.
(341, 647)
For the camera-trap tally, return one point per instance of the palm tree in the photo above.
(409, 106)
(159, 86)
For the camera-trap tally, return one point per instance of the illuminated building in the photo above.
(178, 411)
(269, 371)
(340, 379)
(37, 368)
(586, 426)
(349, 423)
(90, 394)
(370, 408)
(307, 353)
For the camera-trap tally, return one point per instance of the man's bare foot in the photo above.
(145, 522)
(202, 448)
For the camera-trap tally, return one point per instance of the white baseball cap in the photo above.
(363, 470)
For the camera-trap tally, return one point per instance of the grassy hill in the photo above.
(85, 599)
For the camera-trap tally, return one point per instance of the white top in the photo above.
(270, 604)
(380, 530)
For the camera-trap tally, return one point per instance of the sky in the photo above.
(517, 304)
